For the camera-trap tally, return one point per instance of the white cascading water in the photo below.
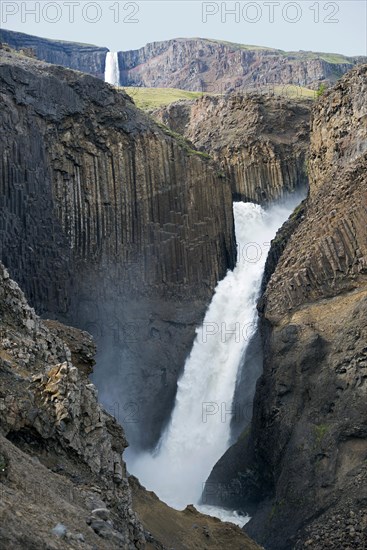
(112, 71)
(199, 431)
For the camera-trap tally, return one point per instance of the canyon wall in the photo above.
(195, 63)
(301, 468)
(218, 67)
(259, 141)
(110, 224)
(81, 57)
(63, 482)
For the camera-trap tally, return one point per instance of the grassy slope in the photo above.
(295, 92)
(152, 98)
(149, 99)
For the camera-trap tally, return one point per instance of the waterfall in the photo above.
(112, 71)
(199, 431)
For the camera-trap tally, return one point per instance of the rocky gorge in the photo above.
(123, 226)
(112, 205)
(301, 467)
(63, 482)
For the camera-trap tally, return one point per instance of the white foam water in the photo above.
(199, 430)
(112, 71)
(223, 514)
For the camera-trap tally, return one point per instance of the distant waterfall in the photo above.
(112, 71)
(199, 430)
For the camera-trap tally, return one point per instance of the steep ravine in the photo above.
(63, 481)
(110, 224)
(301, 468)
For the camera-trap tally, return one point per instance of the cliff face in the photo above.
(214, 66)
(260, 142)
(81, 57)
(302, 468)
(110, 224)
(63, 481)
(194, 63)
(60, 454)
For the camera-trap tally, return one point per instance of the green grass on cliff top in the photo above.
(240, 46)
(334, 58)
(149, 99)
(153, 98)
(295, 92)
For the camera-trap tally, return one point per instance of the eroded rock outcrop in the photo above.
(61, 453)
(302, 466)
(110, 224)
(260, 142)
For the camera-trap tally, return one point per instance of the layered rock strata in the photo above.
(200, 64)
(218, 67)
(81, 57)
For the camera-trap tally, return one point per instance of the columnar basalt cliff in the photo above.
(111, 224)
(260, 141)
(302, 467)
(82, 57)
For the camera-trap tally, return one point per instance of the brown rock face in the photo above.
(334, 260)
(260, 142)
(200, 531)
(214, 66)
(111, 224)
(194, 63)
(302, 468)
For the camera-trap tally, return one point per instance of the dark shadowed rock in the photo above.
(111, 224)
(307, 447)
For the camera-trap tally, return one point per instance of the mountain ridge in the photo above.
(197, 64)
